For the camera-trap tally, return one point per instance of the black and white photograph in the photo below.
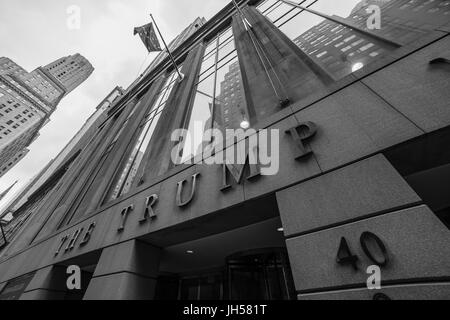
(224, 159)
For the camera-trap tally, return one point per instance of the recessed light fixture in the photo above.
(189, 252)
(280, 229)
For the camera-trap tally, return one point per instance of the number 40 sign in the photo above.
(374, 248)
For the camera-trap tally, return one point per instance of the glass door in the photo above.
(260, 275)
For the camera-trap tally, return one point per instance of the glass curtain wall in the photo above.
(345, 36)
(84, 199)
(127, 175)
(219, 95)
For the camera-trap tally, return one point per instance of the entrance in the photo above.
(248, 263)
(260, 275)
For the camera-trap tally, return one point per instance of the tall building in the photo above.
(23, 205)
(355, 173)
(27, 101)
(69, 72)
(231, 105)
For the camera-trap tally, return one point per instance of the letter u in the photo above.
(180, 202)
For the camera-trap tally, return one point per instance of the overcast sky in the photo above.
(34, 33)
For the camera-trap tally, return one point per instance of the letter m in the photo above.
(237, 170)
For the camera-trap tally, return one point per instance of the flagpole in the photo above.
(180, 75)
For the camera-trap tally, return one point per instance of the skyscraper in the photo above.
(69, 71)
(23, 205)
(355, 174)
(28, 99)
(231, 106)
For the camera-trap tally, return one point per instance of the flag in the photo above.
(148, 37)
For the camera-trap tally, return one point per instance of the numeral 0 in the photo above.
(344, 255)
(365, 239)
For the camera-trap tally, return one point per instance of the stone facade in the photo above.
(361, 182)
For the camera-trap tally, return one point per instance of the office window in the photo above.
(128, 173)
(317, 26)
(214, 90)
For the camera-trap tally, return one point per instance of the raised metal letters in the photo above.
(180, 184)
(300, 133)
(344, 255)
(148, 211)
(87, 235)
(62, 241)
(73, 240)
(365, 238)
(124, 213)
(237, 174)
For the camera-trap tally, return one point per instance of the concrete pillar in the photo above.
(47, 284)
(277, 65)
(127, 271)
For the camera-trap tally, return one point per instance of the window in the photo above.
(219, 84)
(322, 25)
(128, 174)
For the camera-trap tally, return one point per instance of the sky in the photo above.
(34, 33)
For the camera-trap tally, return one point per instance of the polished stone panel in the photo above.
(415, 239)
(416, 88)
(354, 123)
(353, 192)
(122, 286)
(427, 291)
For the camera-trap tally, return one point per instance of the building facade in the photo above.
(27, 99)
(69, 150)
(360, 149)
(22, 207)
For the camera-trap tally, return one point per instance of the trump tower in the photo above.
(355, 100)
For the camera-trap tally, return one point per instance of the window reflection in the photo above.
(341, 42)
(129, 172)
(219, 95)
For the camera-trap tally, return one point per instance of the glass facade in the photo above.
(335, 37)
(306, 47)
(343, 37)
(219, 95)
(212, 233)
(261, 275)
(128, 173)
(85, 198)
